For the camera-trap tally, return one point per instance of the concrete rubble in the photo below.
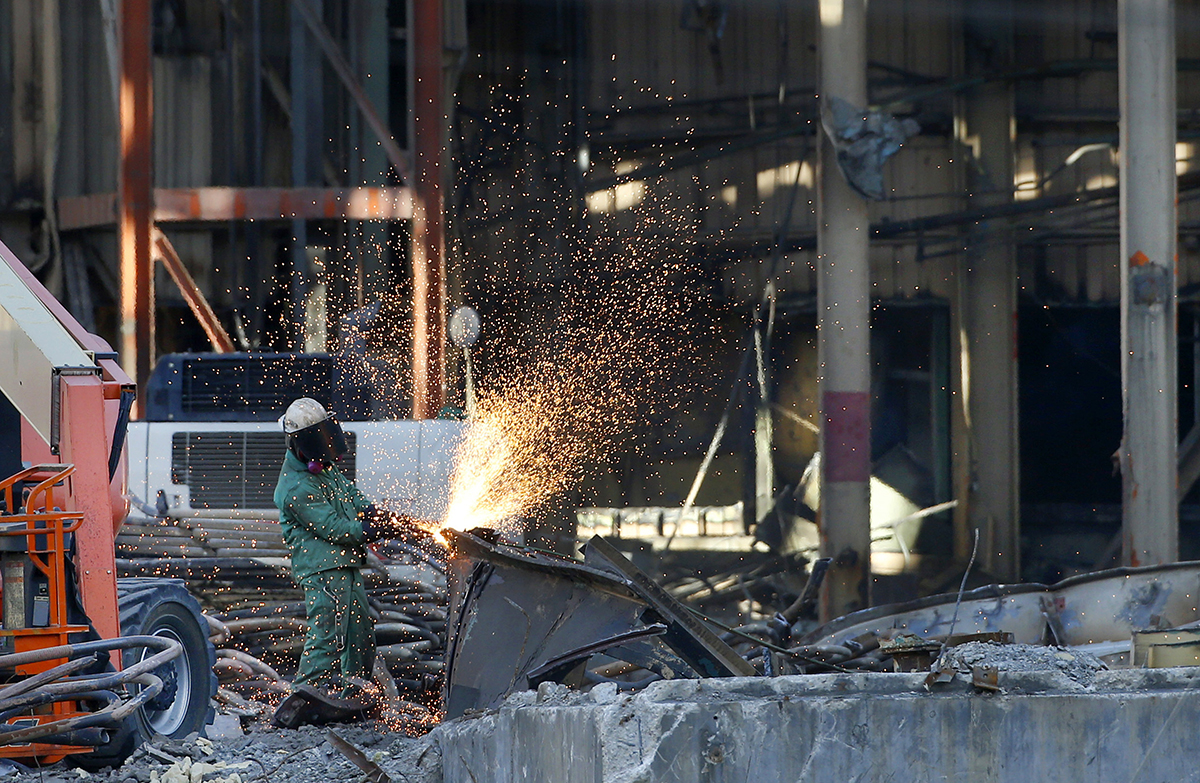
(265, 754)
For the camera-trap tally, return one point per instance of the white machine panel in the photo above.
(32, 344)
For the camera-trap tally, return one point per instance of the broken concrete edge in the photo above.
(867, 726)
(849, 685)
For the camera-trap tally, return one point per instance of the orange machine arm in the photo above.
(74, 401)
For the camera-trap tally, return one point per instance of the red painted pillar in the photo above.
(86, 445)
(844, 333)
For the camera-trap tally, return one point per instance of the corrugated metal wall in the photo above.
(647, 55)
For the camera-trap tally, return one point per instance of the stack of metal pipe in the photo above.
(259, 642)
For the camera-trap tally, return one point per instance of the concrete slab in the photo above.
(1125, 726)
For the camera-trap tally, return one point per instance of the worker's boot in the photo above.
(307, 704)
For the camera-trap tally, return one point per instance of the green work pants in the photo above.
(340, 639)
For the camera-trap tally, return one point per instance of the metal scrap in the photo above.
(520, 617)
(1089, 609)
(694, 642)
(910, 652)
(373, 771)
(514, 610)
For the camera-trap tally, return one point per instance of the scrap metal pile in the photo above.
(521, 617)
(494, 618)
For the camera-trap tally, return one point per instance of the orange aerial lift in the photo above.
(89, 663)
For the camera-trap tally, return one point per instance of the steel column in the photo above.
(428, 230)
(1146, 73)
(844, 307)
(135, 194)
(986, 422)
(307, 110)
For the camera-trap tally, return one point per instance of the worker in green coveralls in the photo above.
(327, 523)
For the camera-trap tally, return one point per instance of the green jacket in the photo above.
(319, 516)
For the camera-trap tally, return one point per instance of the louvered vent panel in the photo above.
(235, 469)
(266, 385)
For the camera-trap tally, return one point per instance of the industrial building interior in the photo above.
(913, 285)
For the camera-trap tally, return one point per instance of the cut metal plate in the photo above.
(1086, 609)
(514, 610)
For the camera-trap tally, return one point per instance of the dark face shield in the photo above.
(323, 440)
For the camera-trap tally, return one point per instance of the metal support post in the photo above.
(368, 256)
(986, 470)
(844, 308)
(136, 183)
(84, 444)
(428, 230)
(1146, 73)
(307, 111)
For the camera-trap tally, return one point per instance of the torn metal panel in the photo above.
(513, 610)
(864, 140)
(1090, 608)
(694, 642)
(556, 669)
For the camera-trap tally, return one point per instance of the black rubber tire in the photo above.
(163, 607)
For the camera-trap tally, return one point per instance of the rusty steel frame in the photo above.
(428, 228)
(221, 204)
(192, 294)
(135, 189)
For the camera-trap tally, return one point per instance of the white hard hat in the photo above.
(302, 414)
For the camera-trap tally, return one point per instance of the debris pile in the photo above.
(1078, 666)
(309, 753)
(521, 618)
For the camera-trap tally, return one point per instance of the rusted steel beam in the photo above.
(342, 68)
(182, 205)
(194, 297)
(135, 193)
(428, 233)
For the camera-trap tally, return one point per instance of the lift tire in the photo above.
(163, 607)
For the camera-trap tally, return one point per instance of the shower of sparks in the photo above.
(571, 394)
